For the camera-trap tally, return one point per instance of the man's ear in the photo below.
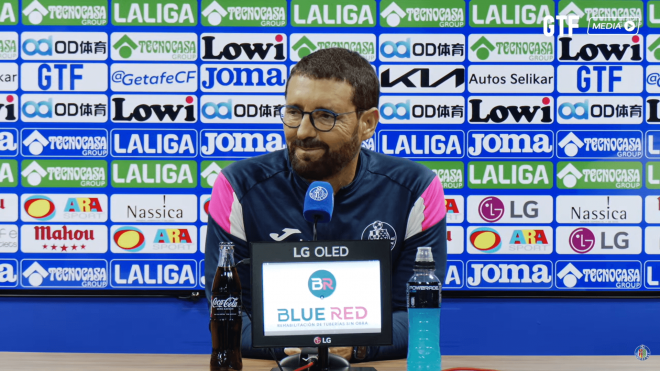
(368, 123)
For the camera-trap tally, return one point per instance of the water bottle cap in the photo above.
(424, 254)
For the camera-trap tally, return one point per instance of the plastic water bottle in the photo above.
(423, 293)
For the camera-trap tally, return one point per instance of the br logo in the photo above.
(322, 284)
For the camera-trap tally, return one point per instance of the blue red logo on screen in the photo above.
(322, 284)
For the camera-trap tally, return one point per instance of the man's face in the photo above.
(317, 155)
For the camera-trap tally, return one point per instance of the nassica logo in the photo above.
(92, 46)
(242, 47)
(8, 143)
(613, 49)
(64, 207)
(510, 48)
(141, 208)
(65, 12)
(510, 144)
(179, 143)
(87, 108)
(599, 240)
(510, 209)
(154, 109)
(237, 144)
(602, 209)
(248, 109)
(142, 46)
(322, 284)
(422, 78)
(64, 238)
(586, 144)
(150, 13)
(142, 77)
(243, 78)
(500, 110)
(64, 142)
(251, 13)
(599, 110)
(304, 44)
(421, 47)
(8, 45)
(422, 109)
(154, 239)
(422, 144)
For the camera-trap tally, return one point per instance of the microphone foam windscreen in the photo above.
(319, 202)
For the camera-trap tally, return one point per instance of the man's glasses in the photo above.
(322, 119)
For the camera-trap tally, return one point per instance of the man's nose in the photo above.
(306, 129)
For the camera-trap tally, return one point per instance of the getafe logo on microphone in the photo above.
(322, 283)
(318, 193)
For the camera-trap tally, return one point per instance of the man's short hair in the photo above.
(342, 65)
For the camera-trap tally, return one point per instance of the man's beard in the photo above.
(331, 163)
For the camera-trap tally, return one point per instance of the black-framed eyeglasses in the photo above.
(322, 119)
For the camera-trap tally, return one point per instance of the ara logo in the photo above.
(326, 13)
(72, 207)
(600, 110)
(422, 47)
(510, 48)
(600, 144)
(180, 143)
(425, 79)
(304, 44)
(240, 143)
(154, 239)
(580, 48)
(517, 274)
(39, 207)
(154, 273)
(85, 108)
(8, 276)
(599, 240)
(510, 240)
(422, 144)
(142, 46)
(8, 143)
(129, 239)
(514, 144)
(150, 108)
(64, 45)
(599, 274)
(243, 78)
(151, 13)
(256, 13)
(64, 142)
(510, 209)
(253, 109)
(499, 110)
(422, 110)
(65, 13)
(601, 209)
(242, 47)
(485, 239)
(449, 13)
(599, 175)
(8, 108)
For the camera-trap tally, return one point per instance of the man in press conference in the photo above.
(331, 108)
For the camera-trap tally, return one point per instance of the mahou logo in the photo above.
(230, 302)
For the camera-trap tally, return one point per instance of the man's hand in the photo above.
(344, 352)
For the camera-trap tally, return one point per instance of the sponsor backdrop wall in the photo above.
(117, 116)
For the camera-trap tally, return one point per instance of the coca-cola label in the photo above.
(226, 306)
(423, 295)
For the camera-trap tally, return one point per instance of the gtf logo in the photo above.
(322, 284)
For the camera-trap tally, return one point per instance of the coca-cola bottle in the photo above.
(226, 321)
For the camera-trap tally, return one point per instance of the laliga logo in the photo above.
(40, 207)
(318, 193)
(486, 240)
(129, 239)
(491, 209)
(322, 284)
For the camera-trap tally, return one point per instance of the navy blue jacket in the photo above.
(261, 199)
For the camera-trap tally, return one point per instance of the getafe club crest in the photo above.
(380, 231)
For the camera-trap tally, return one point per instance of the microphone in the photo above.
(319, 201)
